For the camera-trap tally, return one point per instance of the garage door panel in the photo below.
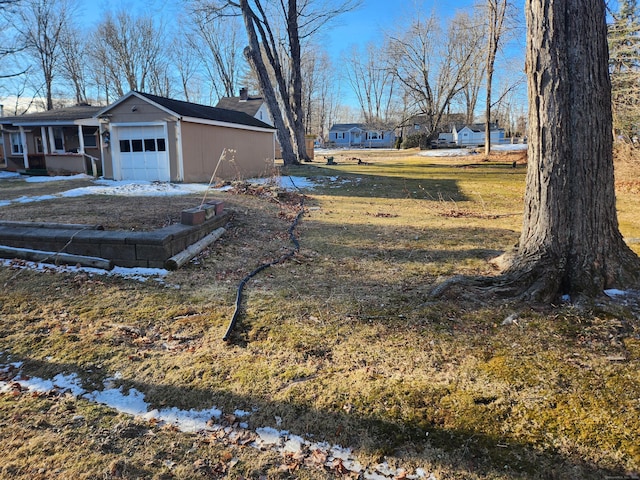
(142, 153)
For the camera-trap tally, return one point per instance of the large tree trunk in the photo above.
(254, 57)
(570, 242)
(296, 80)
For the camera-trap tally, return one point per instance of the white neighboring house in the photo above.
(474, 135)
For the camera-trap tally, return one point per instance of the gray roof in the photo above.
(250, 106)
(345, 127)
(58, 116)
(188, 109)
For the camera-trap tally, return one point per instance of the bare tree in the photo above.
(470, 34)
(372, 82)
(74, 61)
(128, 50)
(41, 24)
(496, 18)
(570, 242)
(186, 64)
(431, 67)
(275, 29)
(217, 40)
(10, 43)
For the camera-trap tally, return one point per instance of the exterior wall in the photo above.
(264, 115)
(203, 145)
(136, 111)
(466, 136)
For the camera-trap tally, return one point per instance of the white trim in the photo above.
(57, 123)
(25, 150)
(138, 124)
(179, 153)
(45, 145)
(237, 126)
(126, 96)
(80, 140)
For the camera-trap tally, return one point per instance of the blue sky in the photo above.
(359, 26)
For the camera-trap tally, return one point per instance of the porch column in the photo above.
(45, 145)
(52, 141)
(25, 150)
(81, 139)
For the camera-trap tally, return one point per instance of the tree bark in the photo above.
(570, 242)
(254, 56)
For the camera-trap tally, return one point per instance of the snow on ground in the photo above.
(7, 175)
(137, 273)
(132, 402)
(128, 188)
(459, 152)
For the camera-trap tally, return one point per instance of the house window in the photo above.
(125, 146)
(16, 144)
(89, 137)
(136, 145)
(58, 139)
(149, 144)
(339, 135)
(161, 146)
(372, 136)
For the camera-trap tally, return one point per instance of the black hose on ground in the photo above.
(262, 267)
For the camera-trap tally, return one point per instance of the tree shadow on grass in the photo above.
(453, 449)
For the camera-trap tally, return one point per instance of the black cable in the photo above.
(264, 266)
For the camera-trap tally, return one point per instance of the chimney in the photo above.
(244, 94)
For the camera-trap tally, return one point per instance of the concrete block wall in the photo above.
(123, 248)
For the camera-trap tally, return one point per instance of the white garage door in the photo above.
(142, 153)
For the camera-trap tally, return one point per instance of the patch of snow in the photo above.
(136, 273)
(7, 175)
(58, 178)
(614, 292)
(268, 436)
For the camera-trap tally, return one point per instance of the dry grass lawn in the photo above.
(341, 344)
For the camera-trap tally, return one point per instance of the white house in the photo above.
(474, 135)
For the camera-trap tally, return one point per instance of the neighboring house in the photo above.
(61, 141)
(358, 135)
(250, 104)
(146, 137)
(474, 135)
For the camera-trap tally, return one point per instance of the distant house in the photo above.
(253, 105)
(60, 141)
(147, 137)
(358, 135)
(474, 135)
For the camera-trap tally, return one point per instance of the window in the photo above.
(89, 137)
(372, 135)
(136, 145)
(16, 144)
(125, 146)
(149, 145)
(58, 139)
(161, 146)
(339, 135)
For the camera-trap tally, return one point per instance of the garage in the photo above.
(144, 137)
(141, 153)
